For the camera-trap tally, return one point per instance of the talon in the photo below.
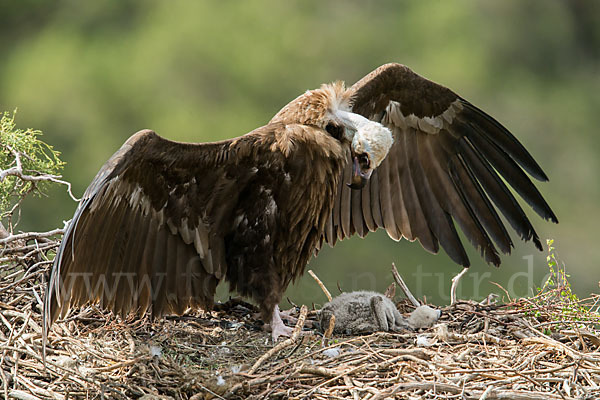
(278, 328)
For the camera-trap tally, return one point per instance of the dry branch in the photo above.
(17, 171)
(321, 285)
(404, 286)
(286, 343)
(32, 236)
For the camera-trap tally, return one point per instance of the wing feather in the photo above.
(444, 167)
(336, 220)
(103, 282)
(499, 193)
(375, 200)
(137, 235)
(397, 200)
(451, 200)
(438, 220)
(345, 206)
(171, 268)
(479, 202)
(159, 273)
(128, 282)
(498, 134)
(358, 219)
(366, 210)
(418, 222)
(513, 175)
(140, 299)
(385, 196)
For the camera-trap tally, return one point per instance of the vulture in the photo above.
(164, 222)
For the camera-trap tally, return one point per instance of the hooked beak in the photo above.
(370, 143)
(361, 171)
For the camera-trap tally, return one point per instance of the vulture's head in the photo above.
(329, 109)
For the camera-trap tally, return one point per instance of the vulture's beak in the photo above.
(361, 171)
(370, 143)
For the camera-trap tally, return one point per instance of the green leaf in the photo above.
(36, 157)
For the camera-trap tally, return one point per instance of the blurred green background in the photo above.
(89, 74)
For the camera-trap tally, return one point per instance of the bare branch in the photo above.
(404, 287)
(323, 288)
(285, 343)
(17, 171)
(32, 235)
(455, 281)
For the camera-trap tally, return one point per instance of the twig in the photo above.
(353, 391)
(455, 281)
(316, 370)
(21, 395)
(404, 287)
(583, 333)
(323, 288)
(17, 171)
(390, 292)
(32, 235)
(329, 329)
(121, 364)
(285, 343)
(331, 326)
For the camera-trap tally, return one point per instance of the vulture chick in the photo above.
(423, 317)
(365, 312)
(163, 222)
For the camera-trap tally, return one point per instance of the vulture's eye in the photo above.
(335, 130)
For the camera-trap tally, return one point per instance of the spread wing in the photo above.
(450, 163)
(148, 233)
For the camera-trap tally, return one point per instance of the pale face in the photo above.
(370, 144)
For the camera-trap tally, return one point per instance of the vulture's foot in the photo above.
(290, 319)
(287, 315)
(278, 328)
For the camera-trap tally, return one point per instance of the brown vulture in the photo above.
(163, 222)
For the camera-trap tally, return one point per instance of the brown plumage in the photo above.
(164, 222)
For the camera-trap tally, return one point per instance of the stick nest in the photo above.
(533, 348)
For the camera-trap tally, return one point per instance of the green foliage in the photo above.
(27, 164)
(556, 305)
(558, 284)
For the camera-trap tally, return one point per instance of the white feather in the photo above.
(367, 136)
